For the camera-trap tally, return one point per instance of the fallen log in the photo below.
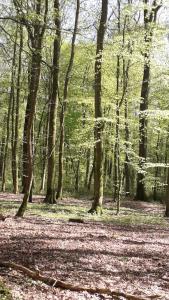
(37, 276)
(76, 220)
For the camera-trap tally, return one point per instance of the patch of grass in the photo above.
(8, 207)
(64, 211)
(5, 293)
(126, 217)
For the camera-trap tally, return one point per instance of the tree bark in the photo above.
(156, 168)
(44, 153)
(11, 99)
(98, 128)
(50, 195)
(29, 117)
(87, 168)
(2, 150)
(16, 120)
(117, 129)
(167, 197)
(77, 176)
(90, 177)
(64, 104)
(149, 19)
(36, 38)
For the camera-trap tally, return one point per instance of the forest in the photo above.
(84, 142)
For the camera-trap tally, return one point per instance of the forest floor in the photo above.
(127, 253)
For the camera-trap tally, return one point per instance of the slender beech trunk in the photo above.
(110, 167)
(16, 120)
(127, 159)
(149, 19)
(87, 167)
(98, 128)
(117, 140)
(45, 139)
(77, 176)
(50, 195)
(166, 156)
(118, 173)
(90, 177)
(33, 155)
(2, 149)
(44, 154)
(127, 174)
(167, 197)
(11, 99)
(36, 38)
(64, 104)
(156, 168)
(25, 163)
(127, 132)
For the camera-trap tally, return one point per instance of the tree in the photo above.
(167, 197)
(64, 104)
(36, 34)
(98, 128)
(50, 195)
(11, 97)
(149, 19)
(15, 116)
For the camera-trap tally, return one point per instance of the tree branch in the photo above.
(51, 281)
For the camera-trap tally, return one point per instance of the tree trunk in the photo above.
(29, 117)
(127, 132)
(116, 155)
(77, 176)
(11, 99)
(127, 160)
(156, 168)
(36, 38)
(167, 197)
(16, 121)
(50, 195)
(166, 156)
(44, 154)
(87, 168)
(117, 127)
(98, 128)
(90, 177)
(64, 104)
(149, 19)
(2, 150)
